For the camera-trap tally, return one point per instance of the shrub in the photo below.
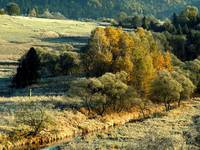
(27, 71)
(54, 63)
(106, 93)
(52, 15)
(49, 63)
(2, 11)
(13, 9)
(165, 89)
(187, 85)
(69, 63)
(32, 118)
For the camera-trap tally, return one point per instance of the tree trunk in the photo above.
(166, 105)
(179, 103)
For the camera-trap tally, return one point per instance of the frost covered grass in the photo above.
(177, 129)
(65, 110)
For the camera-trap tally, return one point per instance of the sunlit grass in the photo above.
(17, 34)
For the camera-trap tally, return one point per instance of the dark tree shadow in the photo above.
(76, 41)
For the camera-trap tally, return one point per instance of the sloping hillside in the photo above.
(105, 8)
(18, 34)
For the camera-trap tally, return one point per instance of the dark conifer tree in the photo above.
(185, 29)
(179, 30)
(144, 23)
(27, 71)
(175, 19)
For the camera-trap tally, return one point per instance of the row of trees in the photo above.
(122, 69)
(103, 8)
(138, 54)
(37, 63)
(180, 34)
(144, 71)
(14, 10)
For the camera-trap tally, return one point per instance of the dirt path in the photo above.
(179, 129)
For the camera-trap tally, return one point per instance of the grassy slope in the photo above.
(17, 34)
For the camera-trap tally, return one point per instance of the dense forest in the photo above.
(179, 34)
(104, 8)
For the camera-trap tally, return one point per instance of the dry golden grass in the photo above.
(177, 129)
(71, 122)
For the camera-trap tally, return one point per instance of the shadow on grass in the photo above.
(52, 86)
(76, 41)
(67, 39)
(5, 89)
(62, 105)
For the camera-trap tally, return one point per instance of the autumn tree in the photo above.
(137, 53)
(143, 67)
(168, 63)
(97, 59)
(159, 61)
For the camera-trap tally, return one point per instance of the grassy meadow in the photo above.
(17, 34)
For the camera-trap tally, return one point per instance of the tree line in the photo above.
(181, 33)
(103, 8)
(116, 71)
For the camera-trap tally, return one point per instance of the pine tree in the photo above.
(179, 31)
(144, 23)
(186, 29)
(175, 19)
(27, 71)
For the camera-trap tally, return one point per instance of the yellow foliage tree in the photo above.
(113, 36)
(158, 61)
(168, 63)
(137, 53)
